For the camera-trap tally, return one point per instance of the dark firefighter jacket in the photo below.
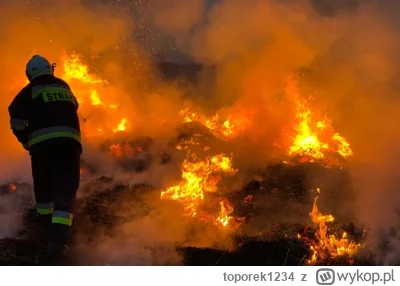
(44, 110)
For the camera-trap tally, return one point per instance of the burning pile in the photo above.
(198, 178)
(314, 139)
(328, 246)
(310, 137)
(226, 129)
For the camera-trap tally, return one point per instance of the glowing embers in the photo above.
(225, 129)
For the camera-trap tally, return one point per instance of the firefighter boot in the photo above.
(59, 241)
(36, 226)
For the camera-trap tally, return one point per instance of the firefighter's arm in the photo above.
(19, 110)
(76, 103)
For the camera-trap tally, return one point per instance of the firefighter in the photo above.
(44, 119)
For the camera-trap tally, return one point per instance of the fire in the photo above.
(313, 139)
(328, 245)
(186, 144)
(121, 125)
(224, 216)
(224, 129)
(75, 69)
(12, 187)
(200, 177)
(89, 90)
(121, 150)
(344, 147)
(94, 96)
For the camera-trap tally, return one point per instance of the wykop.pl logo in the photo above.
(325, 276)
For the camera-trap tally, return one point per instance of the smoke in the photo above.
(37, 27)
(102, 35)
(48, 28)
(12, 205)
(352, 49)
(248, 49)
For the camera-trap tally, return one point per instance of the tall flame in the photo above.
(225, 213)
(89, 90)
(328, 245)
(313, 139)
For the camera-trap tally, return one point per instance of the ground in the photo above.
(274, 243)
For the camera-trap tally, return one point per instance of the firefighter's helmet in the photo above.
(38, 66)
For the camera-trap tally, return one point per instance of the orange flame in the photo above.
(224, 129)
(88, 88)
(328, 245)
(224, 216)
(313, 139)
(199, 177)
(121, 150)
(75, 69)
(12, 187)
(121, 126)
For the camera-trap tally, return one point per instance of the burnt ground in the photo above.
(100, 213)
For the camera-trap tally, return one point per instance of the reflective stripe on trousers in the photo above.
(44, 209)
(18, 124)
(62, 217)
(53, 132)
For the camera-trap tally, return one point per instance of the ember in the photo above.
(12, 187)
(121, 150)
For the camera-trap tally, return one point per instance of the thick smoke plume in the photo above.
(352, 51)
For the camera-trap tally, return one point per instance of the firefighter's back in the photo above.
(44, 118)
(53, 118)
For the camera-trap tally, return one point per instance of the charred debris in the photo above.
(280, 188)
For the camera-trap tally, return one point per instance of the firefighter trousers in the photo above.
(56, 177)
